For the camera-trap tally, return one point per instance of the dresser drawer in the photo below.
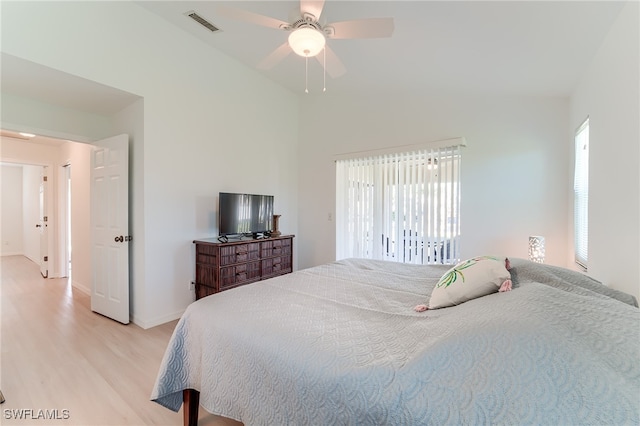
(276, 266)
(234, 254)
(275, 248)
(231, 276)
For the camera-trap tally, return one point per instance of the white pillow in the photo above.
(468, 280)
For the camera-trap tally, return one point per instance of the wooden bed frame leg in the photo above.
(191, 402)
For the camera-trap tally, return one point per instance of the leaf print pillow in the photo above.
(468, 280)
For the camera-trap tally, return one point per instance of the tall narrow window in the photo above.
(581, 195)
(403, 207)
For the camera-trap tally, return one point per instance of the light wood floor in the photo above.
(58, 355)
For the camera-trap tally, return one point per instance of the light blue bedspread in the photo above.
(339, 344)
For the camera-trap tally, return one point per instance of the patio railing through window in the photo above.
(403, 207)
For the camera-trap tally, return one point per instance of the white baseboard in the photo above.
(137, 321)
(11, 253)
(156, 321)
(81, 287)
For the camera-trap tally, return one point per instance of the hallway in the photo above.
(61, 360)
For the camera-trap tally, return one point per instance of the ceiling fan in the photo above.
(308, 33)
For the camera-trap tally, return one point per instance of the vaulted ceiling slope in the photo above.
(27, 79)
(535, 48)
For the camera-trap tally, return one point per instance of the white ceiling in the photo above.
(501, 47)
(34, 81)
(27, 79)
(534, 48)
(37, 139)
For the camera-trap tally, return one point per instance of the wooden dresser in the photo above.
(221, 266)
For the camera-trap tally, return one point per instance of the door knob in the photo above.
(38, 226)
(119, 239)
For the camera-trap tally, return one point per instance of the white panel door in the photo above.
(110, 228)
(43, 225)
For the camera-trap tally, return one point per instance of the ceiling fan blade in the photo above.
(274, 57)
(362, 28)
(334, 66)
(313, 7)
(254, 18)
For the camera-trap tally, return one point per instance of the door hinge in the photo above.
(44, 178)
(44, 219)
(46, 258)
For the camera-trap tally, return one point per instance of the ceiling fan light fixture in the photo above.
(306, 41)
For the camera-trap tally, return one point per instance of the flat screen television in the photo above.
(244, 214)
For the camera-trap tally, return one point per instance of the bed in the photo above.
(340, 344)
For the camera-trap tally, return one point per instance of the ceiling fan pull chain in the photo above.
(307, 36)
(306, 74)
(324, 69)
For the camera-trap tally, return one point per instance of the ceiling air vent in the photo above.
(200, 20)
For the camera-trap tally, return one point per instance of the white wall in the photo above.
(77, 155)
(31, 177)
(210, 124)
(19, 152)
(55, 121)
(11, 226)
(63, 122)
(514, 169)
(20, 210)
(609, 94)
(52, 120)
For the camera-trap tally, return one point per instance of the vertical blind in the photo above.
(403, 207)
(581, 195)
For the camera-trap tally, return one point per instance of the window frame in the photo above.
(581, 194)
(374, 191)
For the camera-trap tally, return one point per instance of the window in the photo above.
(403, 207)
(581, 195)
